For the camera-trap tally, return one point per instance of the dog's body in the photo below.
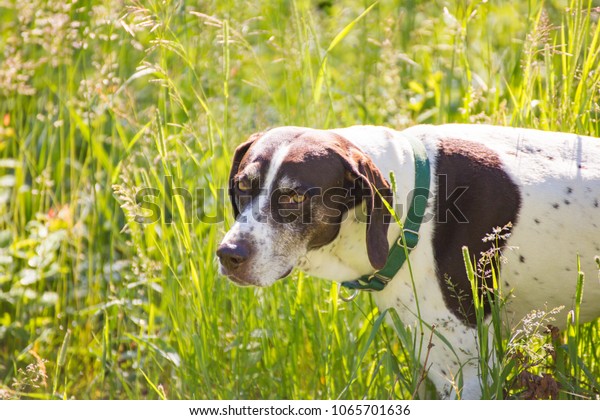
(547, 185)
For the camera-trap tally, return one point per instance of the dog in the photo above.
(322, 201)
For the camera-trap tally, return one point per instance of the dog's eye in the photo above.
(244, 184)
(292, 197)
(298, 198)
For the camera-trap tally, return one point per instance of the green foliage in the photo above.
(101, 99)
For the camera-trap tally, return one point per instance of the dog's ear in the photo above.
(372, 187)
(238, 155)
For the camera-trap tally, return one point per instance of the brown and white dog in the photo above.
(307, 198)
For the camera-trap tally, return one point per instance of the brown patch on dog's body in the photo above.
(490, 200)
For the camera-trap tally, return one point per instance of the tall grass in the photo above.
(100, 101)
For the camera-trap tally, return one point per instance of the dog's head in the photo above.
(290, 189)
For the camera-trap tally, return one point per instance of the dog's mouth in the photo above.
(240, 281)
(247, 281)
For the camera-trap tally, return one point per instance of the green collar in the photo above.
(409, 235)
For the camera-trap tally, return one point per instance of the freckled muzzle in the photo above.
(247, 264)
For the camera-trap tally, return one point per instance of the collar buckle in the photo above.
(410, 244)
(383, 279)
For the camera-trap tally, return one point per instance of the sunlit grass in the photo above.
(99, 100)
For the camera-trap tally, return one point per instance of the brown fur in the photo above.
(490, 199)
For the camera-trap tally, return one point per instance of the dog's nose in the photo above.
(233, 255)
